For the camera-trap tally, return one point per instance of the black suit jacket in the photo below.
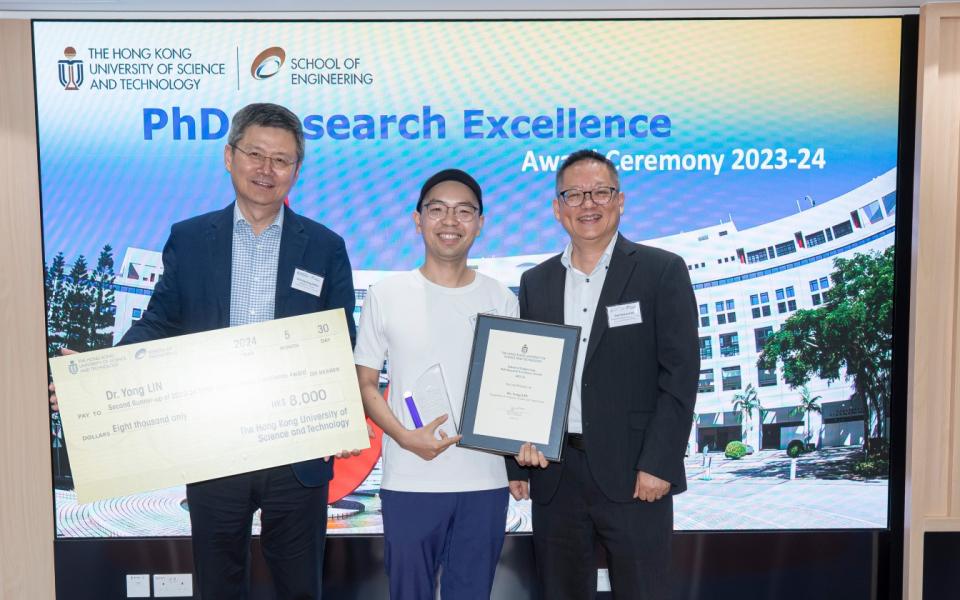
(193, 294)
(639, 382)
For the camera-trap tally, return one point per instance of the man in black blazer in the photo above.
(634, 393)
(253, 261)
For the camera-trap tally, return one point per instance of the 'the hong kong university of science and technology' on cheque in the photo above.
(206, 405)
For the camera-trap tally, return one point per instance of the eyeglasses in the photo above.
(601, 195)
(279, 163)
(464, 213)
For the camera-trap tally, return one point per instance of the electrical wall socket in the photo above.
(174, 585)
(138, 586)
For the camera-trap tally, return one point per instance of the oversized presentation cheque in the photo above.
(195, 407)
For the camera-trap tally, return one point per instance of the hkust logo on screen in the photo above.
(127, 68)
(70, 69)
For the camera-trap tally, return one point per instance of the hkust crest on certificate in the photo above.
(307, 282)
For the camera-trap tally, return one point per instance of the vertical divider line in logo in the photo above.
(238, 68)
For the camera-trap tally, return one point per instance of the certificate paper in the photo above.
(196, 407)
(518, 386)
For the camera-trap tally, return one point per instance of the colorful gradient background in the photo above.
(777, 83)
(830, 83)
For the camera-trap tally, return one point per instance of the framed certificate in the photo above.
(519, 385)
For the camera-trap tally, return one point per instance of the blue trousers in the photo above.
(462, 532)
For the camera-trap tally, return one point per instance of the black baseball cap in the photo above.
(451, 175)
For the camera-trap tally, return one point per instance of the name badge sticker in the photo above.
(307, 282)
(619, 315)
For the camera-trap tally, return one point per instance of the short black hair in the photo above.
(587, 154)
(265, 114)
(451, 175)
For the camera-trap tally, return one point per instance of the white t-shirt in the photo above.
(417, 324)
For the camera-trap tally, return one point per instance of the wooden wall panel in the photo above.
(933, 484)
(933, 438)
(26, 505)
(949, 75)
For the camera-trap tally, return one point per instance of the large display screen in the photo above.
(762, 151)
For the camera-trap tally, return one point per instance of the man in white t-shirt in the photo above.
(443, 506)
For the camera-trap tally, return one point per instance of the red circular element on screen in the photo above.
(349, 473)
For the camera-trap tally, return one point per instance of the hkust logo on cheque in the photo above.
(268, 63)
(70, 69)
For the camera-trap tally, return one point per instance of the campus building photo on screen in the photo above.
(764, 152)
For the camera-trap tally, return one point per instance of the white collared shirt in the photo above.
(581, 293)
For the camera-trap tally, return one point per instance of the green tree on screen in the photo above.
(80, 304)
(100, 333)
(54, 288)
(745, 403)
(852, 331)
(808, 404)
(76, 307)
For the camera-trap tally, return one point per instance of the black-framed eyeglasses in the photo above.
(465, 213)
(279, 163)
(575, 197)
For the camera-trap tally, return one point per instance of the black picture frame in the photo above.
(570, 336)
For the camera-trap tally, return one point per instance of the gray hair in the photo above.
(265, 114)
